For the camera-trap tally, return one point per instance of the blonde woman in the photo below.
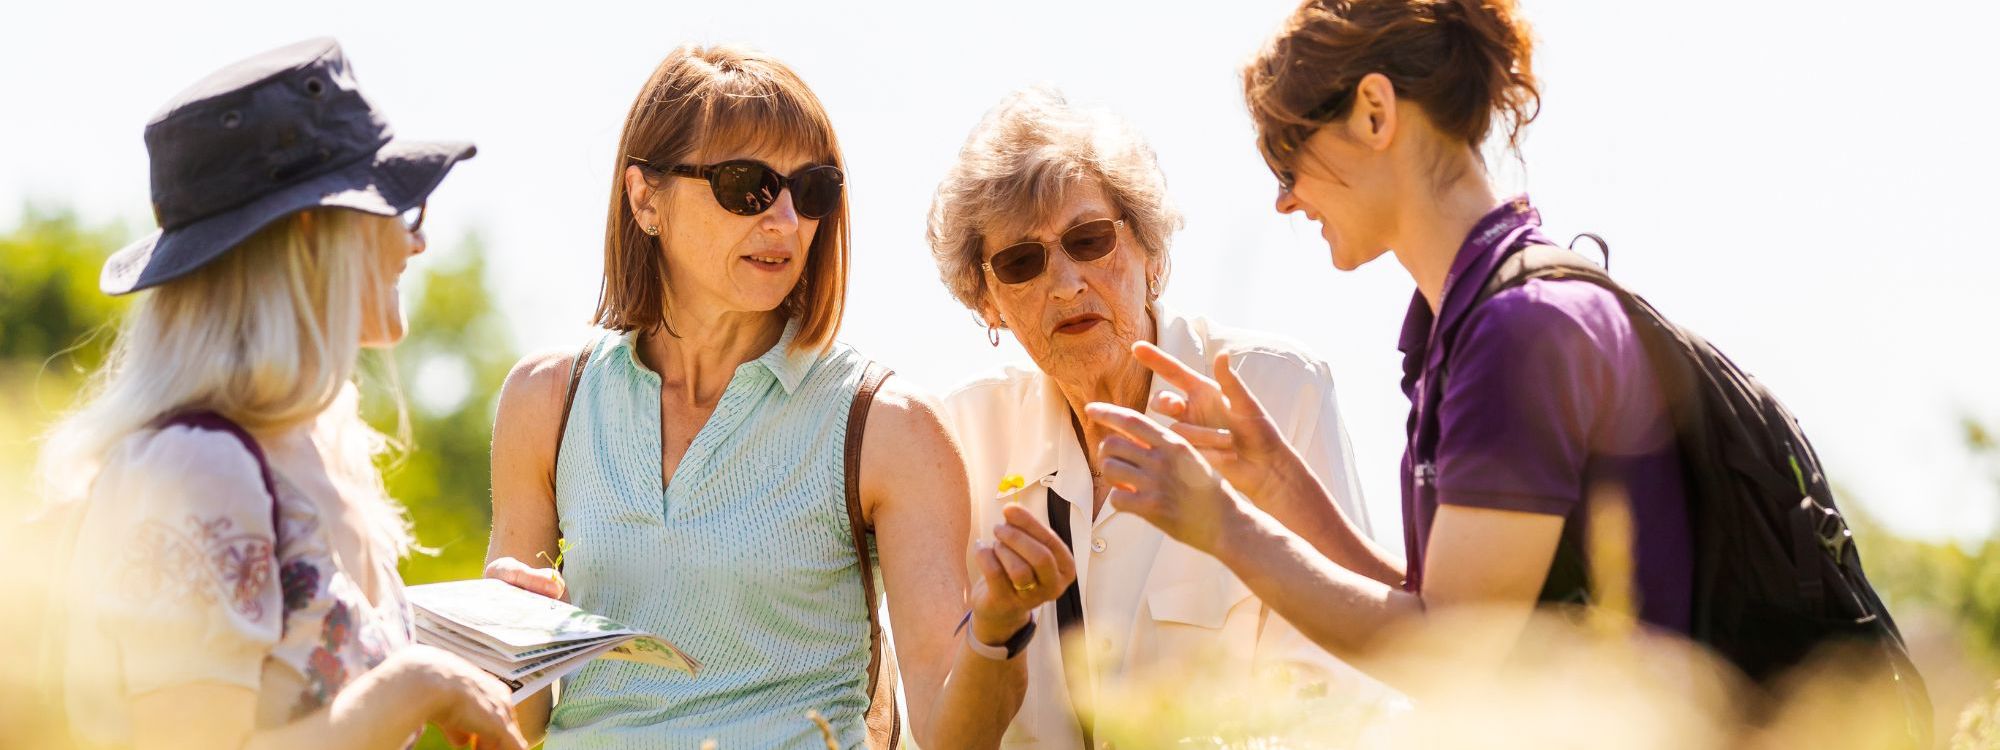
(232, 578)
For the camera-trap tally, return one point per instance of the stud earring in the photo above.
(653, 230)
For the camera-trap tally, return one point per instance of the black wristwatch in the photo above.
(1015, 644)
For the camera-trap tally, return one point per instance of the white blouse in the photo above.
(174, 580)
(1156, 612)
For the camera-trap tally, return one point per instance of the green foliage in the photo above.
(49, 301)
(450, 368)
(1960, 582)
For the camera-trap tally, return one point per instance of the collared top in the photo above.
(1154, 607)
(744, 560)
(1550, 399)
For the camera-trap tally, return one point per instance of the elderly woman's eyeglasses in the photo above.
(748, 188)
(1022, 262)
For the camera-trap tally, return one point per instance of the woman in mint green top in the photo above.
(698, 477)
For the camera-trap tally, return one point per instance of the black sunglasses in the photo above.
(748, 188)
(1318, 117)
(413, 219)
(1023, 261)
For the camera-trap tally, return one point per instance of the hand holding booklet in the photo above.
(526, 639)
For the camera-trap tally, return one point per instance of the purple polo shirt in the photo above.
(1549, 397)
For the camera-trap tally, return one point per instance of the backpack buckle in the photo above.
(1831, 528)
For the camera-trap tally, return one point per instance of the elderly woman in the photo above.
(1054, 225)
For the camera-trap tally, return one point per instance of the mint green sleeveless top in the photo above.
(745, 561)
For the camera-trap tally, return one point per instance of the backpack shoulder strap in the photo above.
(1536, 261)
(214, 422)
(52, 695)
(569, 399)
(1568, 580)
(884, 726)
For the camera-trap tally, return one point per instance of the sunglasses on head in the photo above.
(1023, 261)
(748, 188)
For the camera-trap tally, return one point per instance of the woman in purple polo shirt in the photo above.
(1372, 112)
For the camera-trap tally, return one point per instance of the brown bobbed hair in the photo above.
(700, 103)
(1462, 61)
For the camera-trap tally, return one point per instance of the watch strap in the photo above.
(1015, 644)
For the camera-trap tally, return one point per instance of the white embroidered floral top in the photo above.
(175, 582)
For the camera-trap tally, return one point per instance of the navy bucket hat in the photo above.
(263, 139)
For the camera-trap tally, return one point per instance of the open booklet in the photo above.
(525, 639)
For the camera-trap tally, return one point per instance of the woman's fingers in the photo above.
(1242, 403)
(492, 726)
(1021, 520)
(1124, 475)
(496, 729)
(481, 714)
(1031, 550)
(1020, 574)
(1204, 438)
(991, 570)
(1131, 424)
(1175, 371)
(1124, 449)
(1134, 502)
(544, 581)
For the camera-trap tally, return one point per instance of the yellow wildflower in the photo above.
(1012, 482)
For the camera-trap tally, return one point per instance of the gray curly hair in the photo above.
(1016, 168)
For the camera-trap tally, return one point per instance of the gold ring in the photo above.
(1025, 589)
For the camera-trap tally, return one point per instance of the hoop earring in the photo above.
(993, 336)
(1153, 287)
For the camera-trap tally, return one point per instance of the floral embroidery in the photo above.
(325, 673)
(206, 561)
(339, 624)
(299, 580)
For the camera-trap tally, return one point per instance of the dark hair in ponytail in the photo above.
(1462, 61)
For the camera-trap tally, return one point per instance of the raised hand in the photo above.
(1025, 566)
(1157, 474)
(1221, 419)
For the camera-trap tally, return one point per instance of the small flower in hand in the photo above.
(1012, 483)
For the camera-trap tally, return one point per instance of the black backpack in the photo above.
(1776, 573)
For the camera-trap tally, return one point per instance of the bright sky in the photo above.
(1801, 183)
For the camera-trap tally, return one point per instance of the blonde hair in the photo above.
(698, 102)
(268, 335)
(1018, 165)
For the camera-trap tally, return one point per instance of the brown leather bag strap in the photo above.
(569, 399)
(884, 726)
